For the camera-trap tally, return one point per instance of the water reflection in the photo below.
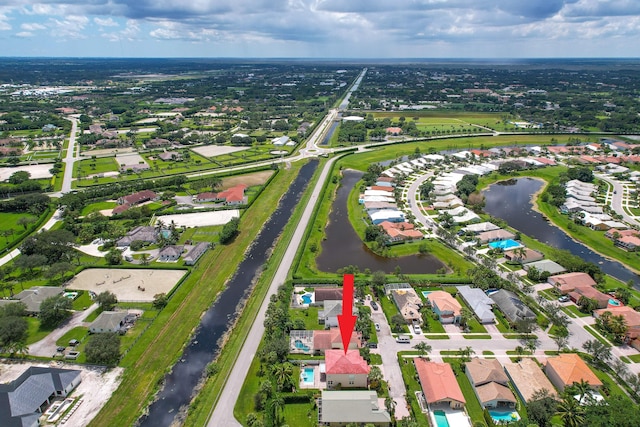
(344, 247)
(511, 201)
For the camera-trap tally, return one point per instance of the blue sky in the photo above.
(321, 28)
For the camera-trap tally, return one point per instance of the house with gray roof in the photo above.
(479, 302)
(34, 296)
(23, 400)
(545, 265)
(170, 253)
(514, 309)
(329, 315)
(108, 321)
(146, 234)
(195, 252)
(339, 408)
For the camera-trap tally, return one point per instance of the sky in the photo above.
(321, 28)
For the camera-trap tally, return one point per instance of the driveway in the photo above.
(46, 347)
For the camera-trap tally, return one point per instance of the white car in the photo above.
(377, 325)
(417, 330)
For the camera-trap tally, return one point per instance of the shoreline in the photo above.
(534, 206)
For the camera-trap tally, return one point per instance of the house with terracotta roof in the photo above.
(234, 195)
(207, 196)
(399, 231)
(528, 379)
(331, 339)
(631, 319)
(394, 131)
(517, 256)
(349, 370)
(567, 282)
(568, 368)
(628, 243)
(439, 384)
(490, 383)
(495, 235)
(445, 306)
(408, 303)
(589, 292)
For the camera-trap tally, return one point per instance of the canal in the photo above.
(180, 383)
(511, 201)
(343, 246)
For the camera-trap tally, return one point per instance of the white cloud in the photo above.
(129, 33)
(25, 34)
(109, 22)
(69, 28)
(27, 26)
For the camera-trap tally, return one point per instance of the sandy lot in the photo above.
(217, 150)
(256, 178)
(36, 171)
(105, 152)
(201, 219)
(129, 159)
(127, 284)
(94, 390)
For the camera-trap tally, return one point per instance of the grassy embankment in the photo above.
(163, 342)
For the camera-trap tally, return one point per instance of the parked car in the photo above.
(377, 325)
(372, 345)
(417, 330)
(374, 305)
(563, 298)
(60, 349)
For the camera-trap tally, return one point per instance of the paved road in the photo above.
(70, 158)
(223, 413)
(618, 198)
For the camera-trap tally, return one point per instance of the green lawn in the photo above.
(96, 207)
(300, 414)
(35, 334)
(309, 316)
(79, 333)
(473, 406)
(14, 231)
(390, 310)
(83, 301)
(95, 166)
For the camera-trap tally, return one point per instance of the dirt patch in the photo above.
(129, 159)
(127, 284)
(200, 219)
(94, 390)
(217, 150)
(36, 171)
(255, 178)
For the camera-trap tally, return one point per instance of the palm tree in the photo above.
(390, 405)
(583, 388)
(282, 373)
(276, 405)
(423, 348)
(375, 377)
(618, 326)
(570, 412)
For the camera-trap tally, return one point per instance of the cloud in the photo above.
(109, 22)
(129, 33)
(69, 28)
(32, 26)
(24, 34)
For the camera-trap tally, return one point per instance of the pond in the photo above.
(511, 201)
(343, 246)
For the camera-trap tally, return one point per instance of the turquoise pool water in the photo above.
(424, 294)
(307, 376)
(441, 419)
(504, 416)
(306, 298)
(614, 302)
(505, 244)
(301, 346)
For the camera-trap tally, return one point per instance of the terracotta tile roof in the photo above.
(569, 281)
(494, 391)
(331, 338)
(337, 362)
(438, 381)
(233, 194)
(445, 302)
(631, 316)
(483, 371)
(570, 368)
(139, 197)
(528, 378)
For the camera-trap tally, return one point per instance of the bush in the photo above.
(103, 349)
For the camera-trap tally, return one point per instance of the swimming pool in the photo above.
(505, 244)
(441, 419)
(504, 416)
(425, 294)
(301, 346)
(307, 298)
(307, 376)
(614, 302)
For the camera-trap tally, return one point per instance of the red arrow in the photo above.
(346, 320)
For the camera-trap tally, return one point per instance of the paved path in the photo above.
(70, 158)
(223, 412)
(46, 347)
(618, 198)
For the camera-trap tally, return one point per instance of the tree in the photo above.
(107, 300)
(465, 316)
(599, 351)
(59, 268)
(103, 349)
(423, 348)
(397, 323)
(19, 177)
(54, 310)
(582, 388)
(375, 378)
(390, 406)
(160, 301)
(561, 341)
(113, 257)
(229, 231)
(13, 330)
(30, 262)
(372, 232)
(275, 407)
(283, 375)
(570, 412)
(542, 407)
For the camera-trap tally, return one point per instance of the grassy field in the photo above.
(95, 166)
(97, 207)
(160, 346)
(14, 231)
